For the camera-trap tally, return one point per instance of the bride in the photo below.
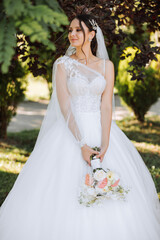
(42, 204)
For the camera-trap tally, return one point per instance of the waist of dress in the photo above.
(88, 114)
(86, 104)
(97, 112)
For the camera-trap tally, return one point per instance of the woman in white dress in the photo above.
(43, 204)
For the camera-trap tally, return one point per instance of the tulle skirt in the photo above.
(43, 204)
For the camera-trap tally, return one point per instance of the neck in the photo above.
(88, 54)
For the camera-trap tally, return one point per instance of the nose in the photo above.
(73, 33)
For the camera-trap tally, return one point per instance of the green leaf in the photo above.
(46, 14)
(54, 4)
(14, 7)
(33, 29)
(7, 42)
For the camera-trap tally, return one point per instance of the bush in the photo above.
(12, 87)
(138, 95)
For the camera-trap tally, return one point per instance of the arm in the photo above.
(64, 101)
(106, 107)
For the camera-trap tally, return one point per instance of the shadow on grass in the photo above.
(150, 159)
(7, 181)
(147, 132)
(24, 140)
(138, 136)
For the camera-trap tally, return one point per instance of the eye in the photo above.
(76, 30)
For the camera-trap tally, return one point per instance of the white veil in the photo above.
(60, 106)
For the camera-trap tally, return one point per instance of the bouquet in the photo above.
(100, 184)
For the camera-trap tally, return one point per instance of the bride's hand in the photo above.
(102, 153)
(87, 152)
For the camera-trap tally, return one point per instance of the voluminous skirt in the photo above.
(43, 204)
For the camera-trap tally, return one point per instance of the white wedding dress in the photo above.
(43, 204)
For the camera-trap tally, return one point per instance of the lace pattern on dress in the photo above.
(85, 93)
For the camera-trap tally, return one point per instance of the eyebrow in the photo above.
(75, 27)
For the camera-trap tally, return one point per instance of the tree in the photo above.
(36, 20)
(12, 89)
(26, 27)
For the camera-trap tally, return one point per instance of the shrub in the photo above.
(138, 95)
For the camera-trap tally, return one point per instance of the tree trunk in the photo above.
(3, 123)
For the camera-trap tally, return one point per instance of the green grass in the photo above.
(15, 151)
(146, 139)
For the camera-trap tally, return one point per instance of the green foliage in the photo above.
(14, 8)
(7, 43)
(12, 89)
(36, 20)
(138, 95)
(121, 22)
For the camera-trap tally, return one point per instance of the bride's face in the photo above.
(75, 34)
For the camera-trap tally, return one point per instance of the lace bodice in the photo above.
(85, 85)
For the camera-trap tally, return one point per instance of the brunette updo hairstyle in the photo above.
(85, 18)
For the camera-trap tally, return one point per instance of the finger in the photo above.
(89, 162)
(101, 159)
(93, 151)
(99, 155)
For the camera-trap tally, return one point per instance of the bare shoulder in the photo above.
(109, 68)
(109, 64)
(109, 71)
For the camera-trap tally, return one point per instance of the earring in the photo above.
(89, 39)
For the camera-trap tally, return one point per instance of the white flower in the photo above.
(110, 175)
(99, 175)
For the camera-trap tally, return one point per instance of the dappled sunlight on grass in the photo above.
(12, 158)
(148, 151)
(147, 132)
(145, 137)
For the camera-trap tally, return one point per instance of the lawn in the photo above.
(15, 151)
